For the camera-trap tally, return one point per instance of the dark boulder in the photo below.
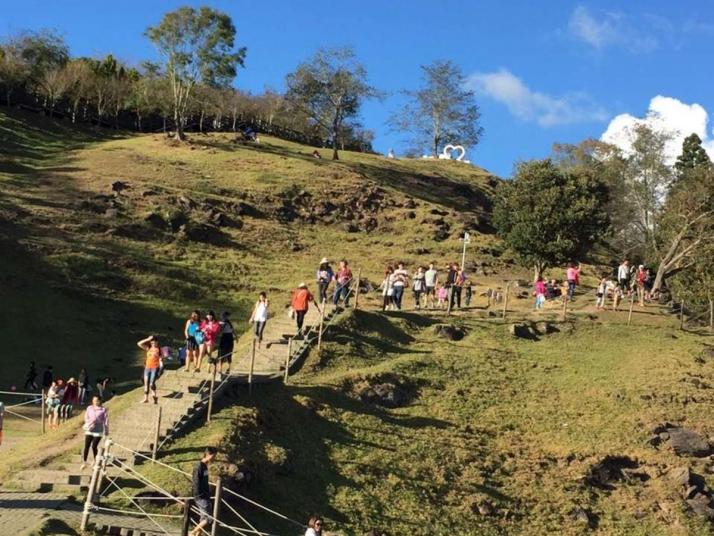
(119, 186)
(522, 331)
(545, 328)
(688, 443)
(450, 332)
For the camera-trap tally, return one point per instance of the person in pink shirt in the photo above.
(539, 291)
(96, 426)
(572, 274)
(211, 329)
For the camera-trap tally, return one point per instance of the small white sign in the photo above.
(467, 238)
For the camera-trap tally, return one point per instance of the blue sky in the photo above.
(543, 71)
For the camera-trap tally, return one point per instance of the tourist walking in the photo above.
(430, 280)
(572, 276)
(31, 378)
(623, 275)
(640, 278)
(211, 329)
(53, 401)
(83, 384)
(96, 426)
(300, 304)
(601, 294)
(539, 292)
(71, 393)
(314, 526)
(191, 331)
(418, 286)
(388, 288)
(401, 279)
(102, 384)
(459, 284)
(151, 366)
(325, 275)
(225, 343)
(343, 279)
(259, 317)
(201, 490)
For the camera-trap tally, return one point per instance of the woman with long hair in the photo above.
(190, 330)
(314, 526)
(259, 317)
(152, 365)
(388, 288)
(96, 426)
(211, 328)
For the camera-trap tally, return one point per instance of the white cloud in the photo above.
(601, 29)
(665, 114)
(547, 110)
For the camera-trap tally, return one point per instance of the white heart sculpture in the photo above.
(446, 154)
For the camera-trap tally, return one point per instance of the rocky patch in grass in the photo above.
(683, 441)
(694, 491)
(387, 390)
(611, 470)
(450, 332)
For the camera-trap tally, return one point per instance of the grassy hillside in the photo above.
(108, 238)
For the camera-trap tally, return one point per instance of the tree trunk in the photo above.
(180, 136)
(435, 148)
(200, 120)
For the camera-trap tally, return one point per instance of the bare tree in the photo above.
(330, 88)
(442, 111)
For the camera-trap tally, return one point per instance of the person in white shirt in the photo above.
(259, 317)
(623, 275)
(314, 526)
(401, 280)
(430, 280)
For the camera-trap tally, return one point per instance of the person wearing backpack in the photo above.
(211, 329)
(325, 275)
(190, 331)
(226, 342)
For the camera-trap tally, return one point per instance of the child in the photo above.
(539, 291)
(601, 294)
(442, 294)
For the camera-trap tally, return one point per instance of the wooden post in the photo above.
(186, 523)
(322, 322)
(252, 368)
(711, 315)
(157, 432)
(89, 502)
(103, 468)
(287, 359)
(565, 307)
(505, 300)
(632, 304)
(210, 393)
(359, 276)
(489, 292)
(216, 506)
(681, 315)
(43, 410)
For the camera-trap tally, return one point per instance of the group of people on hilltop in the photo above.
(429, 288)
(628, 281)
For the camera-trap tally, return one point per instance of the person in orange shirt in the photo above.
(300, 303)
(151, 366)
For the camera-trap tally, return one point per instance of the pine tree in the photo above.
(693, 156)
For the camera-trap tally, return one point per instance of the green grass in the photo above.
(517, 423)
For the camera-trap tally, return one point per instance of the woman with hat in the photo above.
(325, 275)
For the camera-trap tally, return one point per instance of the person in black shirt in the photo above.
(47, 378)
(201, 489)
(30, 382)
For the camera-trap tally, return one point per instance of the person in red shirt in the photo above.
(152, 365)
(300, 304)
(343, 280)
(211, 329)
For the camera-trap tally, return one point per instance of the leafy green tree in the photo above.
(693, 156)
(330, 88)
(14, 71)
(548, 215)
(442, 111)
(196, 46)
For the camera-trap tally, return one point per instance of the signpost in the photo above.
(467, 240)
